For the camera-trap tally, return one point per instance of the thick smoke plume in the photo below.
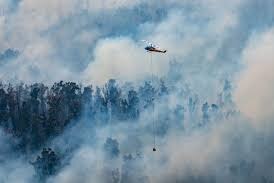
(208, 101)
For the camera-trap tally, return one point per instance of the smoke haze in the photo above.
(219, 53)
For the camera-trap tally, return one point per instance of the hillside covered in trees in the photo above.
(34, 115)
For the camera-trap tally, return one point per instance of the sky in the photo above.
(91, 41)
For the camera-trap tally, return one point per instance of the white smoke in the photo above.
(125, 60)
(13, 167)
(255, 89)
(62, 50)
(200, 35)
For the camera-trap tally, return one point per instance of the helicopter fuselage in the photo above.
(153, 49)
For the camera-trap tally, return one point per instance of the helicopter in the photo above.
(153, 48)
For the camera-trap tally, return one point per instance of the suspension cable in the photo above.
(153, 107)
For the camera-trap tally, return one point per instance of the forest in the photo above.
(34, 115)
